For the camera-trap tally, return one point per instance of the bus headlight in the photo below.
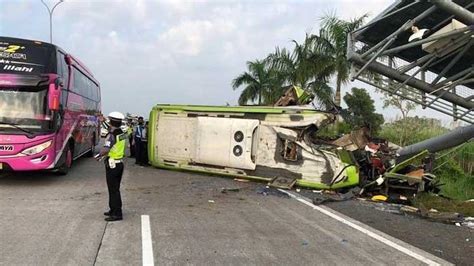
(37, 149)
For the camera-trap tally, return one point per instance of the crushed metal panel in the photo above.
(353, 141)
(290, 151)
(314, 165)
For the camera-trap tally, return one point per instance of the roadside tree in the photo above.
(262, 84)
(331, 47)
(305, 68)
(361, 110)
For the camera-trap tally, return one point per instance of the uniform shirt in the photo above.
(144, 134)
(112, 138)
(139, 131)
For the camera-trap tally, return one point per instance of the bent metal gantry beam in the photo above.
(434, 69)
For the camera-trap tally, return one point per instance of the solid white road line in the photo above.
(366, 231)
(147, 247)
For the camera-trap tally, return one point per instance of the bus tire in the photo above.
(66, 165)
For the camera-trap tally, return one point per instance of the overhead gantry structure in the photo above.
(422, 51)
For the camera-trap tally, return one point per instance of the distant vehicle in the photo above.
(259, 143)
(49, 104)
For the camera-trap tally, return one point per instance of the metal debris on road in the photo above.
(225, 190)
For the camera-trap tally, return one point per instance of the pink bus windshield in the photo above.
(49, 107)
(26, 108)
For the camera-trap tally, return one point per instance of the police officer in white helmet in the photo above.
(114, 152)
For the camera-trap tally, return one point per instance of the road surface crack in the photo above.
(100, 244)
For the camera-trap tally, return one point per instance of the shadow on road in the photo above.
(37, 178)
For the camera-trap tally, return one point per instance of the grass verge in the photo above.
(432, 201)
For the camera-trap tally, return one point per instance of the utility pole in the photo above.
(50, 11)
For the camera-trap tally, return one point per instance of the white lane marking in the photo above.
(363, 230)
(147, 247)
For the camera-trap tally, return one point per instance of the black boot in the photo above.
(109, 213)
(113, 218)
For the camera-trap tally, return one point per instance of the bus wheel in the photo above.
(64, 168)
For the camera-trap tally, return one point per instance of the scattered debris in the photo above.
(328, 196)
(283, 182)
(409, 209)
(265, 191)
(294, 96)
(432, 214)
(388, 207)
(444, 217)
(225, 190)
(241, 180)
(356, 140)
(468, 222)
(379, 198)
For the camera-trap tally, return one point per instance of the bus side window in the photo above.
(64, 74)
(65, 70)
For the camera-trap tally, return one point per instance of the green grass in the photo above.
(431, 201)
(411, 130)
(457, 184)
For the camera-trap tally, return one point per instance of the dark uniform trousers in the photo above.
(138, 151)
(114, 176)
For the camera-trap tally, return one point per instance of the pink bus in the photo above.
(49, 107)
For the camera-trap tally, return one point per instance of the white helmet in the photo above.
(116, 116)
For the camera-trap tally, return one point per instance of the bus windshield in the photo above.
(25, 108)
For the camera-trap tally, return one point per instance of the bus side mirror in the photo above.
(54, 95)
(59, 83)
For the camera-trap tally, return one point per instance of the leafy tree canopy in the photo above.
(361, 110)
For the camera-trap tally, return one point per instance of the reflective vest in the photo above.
(117, 151)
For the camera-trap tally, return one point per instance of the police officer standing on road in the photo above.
(138, 135)
(114, 151)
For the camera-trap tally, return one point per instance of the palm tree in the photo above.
(331, 44)
(262, 84)
(304, 67)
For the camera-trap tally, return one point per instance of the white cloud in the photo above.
(188, 37)
(112, 34)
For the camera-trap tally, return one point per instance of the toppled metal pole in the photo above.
(446, 141)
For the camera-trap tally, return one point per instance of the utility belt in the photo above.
(111, 163)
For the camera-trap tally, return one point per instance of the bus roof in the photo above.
(76, 61)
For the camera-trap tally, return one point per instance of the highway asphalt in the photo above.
(46, 219)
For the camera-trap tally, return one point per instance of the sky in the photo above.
(145, 52)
